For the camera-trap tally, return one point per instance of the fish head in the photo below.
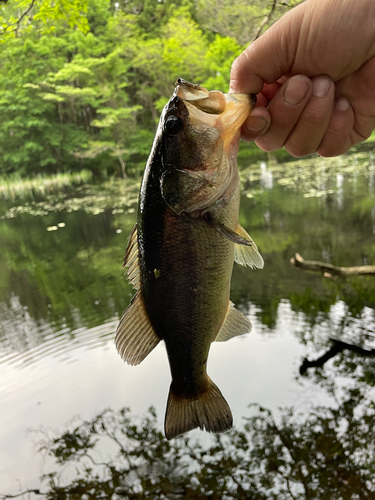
(200, 132)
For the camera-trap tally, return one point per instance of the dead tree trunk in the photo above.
(330, 270)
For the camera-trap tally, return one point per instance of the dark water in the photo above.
(63, 290)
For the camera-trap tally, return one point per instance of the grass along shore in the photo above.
(15, 186)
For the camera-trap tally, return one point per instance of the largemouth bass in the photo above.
(180, 253)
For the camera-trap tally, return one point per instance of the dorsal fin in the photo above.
(247, 255)
(135, 336)
(131, 259)
(235, 324)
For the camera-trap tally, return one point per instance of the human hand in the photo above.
(314, 69)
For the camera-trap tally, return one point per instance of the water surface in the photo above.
(62, 291)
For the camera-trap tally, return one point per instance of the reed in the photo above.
(15, 186)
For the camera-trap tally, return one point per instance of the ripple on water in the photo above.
(59, 345)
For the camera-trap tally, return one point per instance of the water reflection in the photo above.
(340, 191)
(62, 291)
(325, 452)
(266, 176)
(30, 341)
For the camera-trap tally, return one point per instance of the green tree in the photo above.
(239, 19)
(18, 16)
(88, 81)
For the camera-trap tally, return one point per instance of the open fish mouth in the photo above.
(212, 108)
(201, 132)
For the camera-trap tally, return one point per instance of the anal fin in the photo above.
(135, 336)
(235, 324)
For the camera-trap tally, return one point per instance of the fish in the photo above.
(180, 253)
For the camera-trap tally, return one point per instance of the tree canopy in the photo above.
(83, 81)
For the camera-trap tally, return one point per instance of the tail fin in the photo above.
(209, 411)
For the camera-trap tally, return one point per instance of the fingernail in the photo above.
(342, 104)
(321, 85)
(296, 89)
(255, 123)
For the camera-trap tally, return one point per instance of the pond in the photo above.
(62, 291)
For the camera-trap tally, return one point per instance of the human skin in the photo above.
(314, 74)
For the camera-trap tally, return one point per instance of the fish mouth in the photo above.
(226, 112)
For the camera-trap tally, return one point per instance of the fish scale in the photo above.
(180, 254)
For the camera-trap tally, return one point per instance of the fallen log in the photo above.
(330, 270)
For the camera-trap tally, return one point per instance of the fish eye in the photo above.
(173, 125)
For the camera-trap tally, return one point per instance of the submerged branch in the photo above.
(330, 270)
(338, 346)
(36, 492)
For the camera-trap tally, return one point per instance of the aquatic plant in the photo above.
(116, 194)
(314, 176)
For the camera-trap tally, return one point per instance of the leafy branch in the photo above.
(18, 22)
(48, 11)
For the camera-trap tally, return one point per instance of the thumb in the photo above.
(268, 58)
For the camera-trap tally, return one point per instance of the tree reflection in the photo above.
(324, 453)
(72, 277)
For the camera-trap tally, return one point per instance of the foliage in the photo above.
(87, 81)
(20, 16)
(240, 19)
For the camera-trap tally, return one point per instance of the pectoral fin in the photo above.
(226, 231)
(245, 252)
(131, 260)
(235, 324)
(135, 336)
(247, 255)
